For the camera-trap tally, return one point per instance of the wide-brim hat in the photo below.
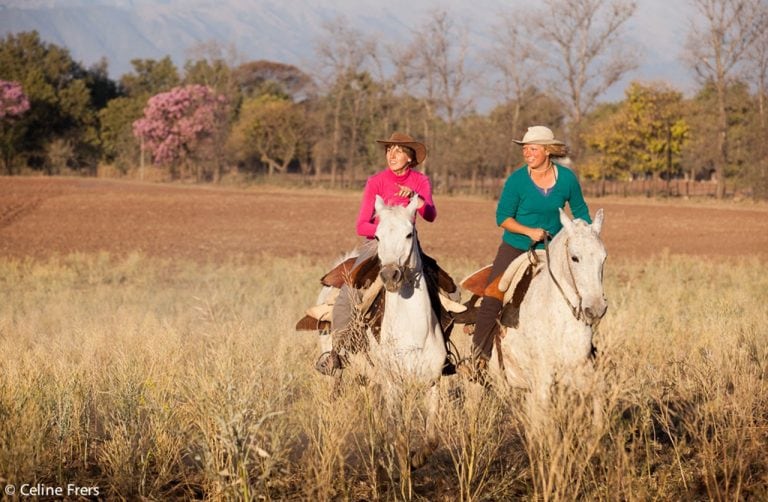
(400, 138)
(539, 135)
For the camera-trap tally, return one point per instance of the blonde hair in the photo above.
(556, 150)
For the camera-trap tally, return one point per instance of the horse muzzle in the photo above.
(392, 276)
(594, 313)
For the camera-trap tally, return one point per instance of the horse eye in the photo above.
(575, 259)
(376, 237)
(409, 236)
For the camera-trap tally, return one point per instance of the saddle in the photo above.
(510, 287)
(365, 277)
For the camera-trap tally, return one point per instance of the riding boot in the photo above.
(486, 329)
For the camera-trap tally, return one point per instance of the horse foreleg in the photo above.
(592, 390)
(420, 456)
(538, 400)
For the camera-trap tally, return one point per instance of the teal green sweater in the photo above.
(522, 200)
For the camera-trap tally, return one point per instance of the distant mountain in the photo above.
(287, 30)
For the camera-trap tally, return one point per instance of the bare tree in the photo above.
(759, 60)
(716, 51)
(585, 52)
(514, 56)
(345, 55)
(758, 66)
(435, 65)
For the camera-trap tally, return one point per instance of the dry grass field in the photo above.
(149, 353)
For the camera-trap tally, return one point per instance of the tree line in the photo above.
(219, 116)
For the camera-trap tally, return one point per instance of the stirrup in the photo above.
(328, 363)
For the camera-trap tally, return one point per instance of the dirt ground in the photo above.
(41, 217)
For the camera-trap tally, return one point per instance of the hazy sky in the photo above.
(285, 30)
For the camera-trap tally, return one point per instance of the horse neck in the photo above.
(558, 264)
(414, 261)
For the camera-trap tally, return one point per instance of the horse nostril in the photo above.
(598, 312)
(390, 275)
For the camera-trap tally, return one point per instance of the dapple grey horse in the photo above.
(552, 342)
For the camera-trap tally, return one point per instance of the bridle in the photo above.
(576, 310)
(409, 274)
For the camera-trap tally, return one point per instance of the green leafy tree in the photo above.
(116, 120)
(255, 78)
(656, 127)
(150, 77)
(610, 147)
(214, 73)
(269, 130)
(103, 89)
(61, 99)
(642, 135)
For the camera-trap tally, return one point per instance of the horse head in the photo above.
(582, 265)
(397, 242)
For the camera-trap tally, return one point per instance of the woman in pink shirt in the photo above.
(396, 185)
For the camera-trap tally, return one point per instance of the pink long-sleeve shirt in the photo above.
(385, 183)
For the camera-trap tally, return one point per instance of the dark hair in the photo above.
(407, 149)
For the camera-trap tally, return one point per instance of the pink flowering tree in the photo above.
(184, 128)
(13, 104)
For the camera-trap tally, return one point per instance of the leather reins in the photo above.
(576, 310)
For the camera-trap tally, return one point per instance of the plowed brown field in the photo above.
(42, 217)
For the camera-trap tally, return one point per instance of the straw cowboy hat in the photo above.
(400, 138)
(539, 135)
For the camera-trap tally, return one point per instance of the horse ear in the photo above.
(597, 222)
(378, 204)
(413, 205)
(565, 220)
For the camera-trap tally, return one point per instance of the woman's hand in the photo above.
(404, 191)
(407, 192)
(537, 234)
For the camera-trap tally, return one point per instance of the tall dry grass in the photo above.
(165, 380)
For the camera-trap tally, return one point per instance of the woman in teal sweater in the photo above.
(527, 211)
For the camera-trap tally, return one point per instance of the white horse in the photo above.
(410, 348)
(552, 342)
